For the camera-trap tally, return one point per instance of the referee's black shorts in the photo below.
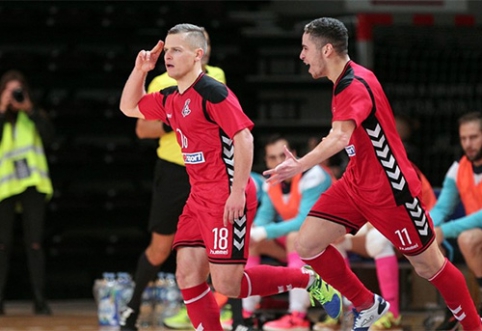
(169, 194)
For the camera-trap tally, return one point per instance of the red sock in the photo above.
(202, 307)
(451, 284)
(267, 280)
(331, 266)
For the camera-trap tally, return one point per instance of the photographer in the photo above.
(25, 184)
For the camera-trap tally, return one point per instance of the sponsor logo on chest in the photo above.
(193, 158)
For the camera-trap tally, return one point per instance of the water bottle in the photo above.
(159, 299)
(172, 301)
(146, 312)
(105, 296)
(124, 288)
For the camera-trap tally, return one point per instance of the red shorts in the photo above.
(408, 226)
(204, 228)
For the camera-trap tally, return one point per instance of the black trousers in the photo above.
(33, 206)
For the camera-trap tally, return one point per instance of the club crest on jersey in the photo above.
(185, 110)
(193, 158)
(350, 150)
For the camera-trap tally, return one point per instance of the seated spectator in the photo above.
(463, 183)
(283, 208)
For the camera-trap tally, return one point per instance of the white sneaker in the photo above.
(364, 319)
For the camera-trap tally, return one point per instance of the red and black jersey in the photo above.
(205, 118)
(377, 155)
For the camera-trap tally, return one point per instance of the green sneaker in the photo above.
(329, 298)
(226, 317)
(179, 321)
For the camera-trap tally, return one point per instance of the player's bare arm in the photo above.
(243, 161)
(149, 129)
(334, 142)
(134, 88)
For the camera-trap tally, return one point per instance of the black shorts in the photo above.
(169, 194)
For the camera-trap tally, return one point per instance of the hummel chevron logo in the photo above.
(389, 164)
(418, 216)
(394, 175)
(399, 186)
(379, 143)
(228, 152)
(239, 244)
(422, 222)
(240, 233)
(374, 133)
(383, 153)
(459, 314)
(240, 221)
(417, 212)
(387, 160)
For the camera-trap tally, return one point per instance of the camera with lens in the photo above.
(18, 95)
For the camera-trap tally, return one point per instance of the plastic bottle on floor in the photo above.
(106, 307)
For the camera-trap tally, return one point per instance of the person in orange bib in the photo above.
(463, 182)
(283, 208)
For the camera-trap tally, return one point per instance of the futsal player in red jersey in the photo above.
(214, 229)
(379, 184)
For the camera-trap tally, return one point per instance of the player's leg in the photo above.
(299, 299)
(333, 215)
(411, 232)
(167, 203)
(382, 251)
(314, 249)
(192, 270)
(470, 244)
(450, 282)
(256, 249)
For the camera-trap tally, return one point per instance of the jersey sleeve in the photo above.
(229, 115)
(151, 106)
(353, 103)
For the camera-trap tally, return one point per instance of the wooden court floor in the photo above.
(81, 315)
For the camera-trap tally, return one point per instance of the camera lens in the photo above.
(18, 95)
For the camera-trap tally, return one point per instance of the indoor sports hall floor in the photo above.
(81, 315)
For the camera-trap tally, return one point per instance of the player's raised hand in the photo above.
(146, 60)
(287, 169)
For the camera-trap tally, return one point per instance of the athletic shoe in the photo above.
(249, 324)
(179, 321)
(226, 318)
(128, 319)
(364, 319)
(328, 324)
(182, 321)
(449, 323)
(292, 322)
(387, 322)
(325, 294)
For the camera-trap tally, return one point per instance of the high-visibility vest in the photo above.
(470, 192)
(22, 159)
(286, 209)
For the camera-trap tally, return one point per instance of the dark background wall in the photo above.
(77, 56)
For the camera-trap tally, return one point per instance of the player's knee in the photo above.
(470, 239)
(377, 245)
(157, 255)
(227, 288)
